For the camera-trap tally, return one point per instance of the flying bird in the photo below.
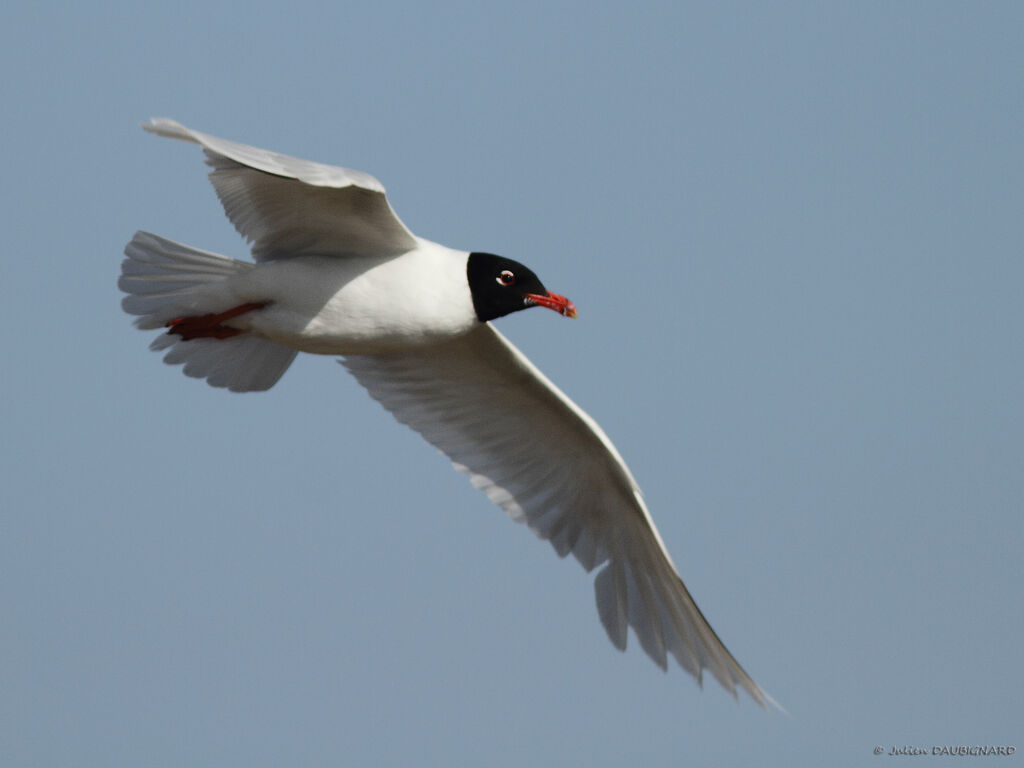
(336, 272)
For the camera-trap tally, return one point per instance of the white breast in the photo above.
(360, 305)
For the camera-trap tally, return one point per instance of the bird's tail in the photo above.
(165, 280)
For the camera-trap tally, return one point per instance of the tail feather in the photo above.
(165, 280)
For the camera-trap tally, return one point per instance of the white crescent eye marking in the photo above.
(505, 278)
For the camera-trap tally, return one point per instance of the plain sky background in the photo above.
(794, 234)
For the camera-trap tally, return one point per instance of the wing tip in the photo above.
(763, 699)
(165, 126)
(768, 702)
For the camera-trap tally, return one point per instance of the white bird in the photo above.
(337, 273)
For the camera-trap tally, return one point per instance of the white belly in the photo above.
(354, 305)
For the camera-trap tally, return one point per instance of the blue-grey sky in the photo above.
(794, 234)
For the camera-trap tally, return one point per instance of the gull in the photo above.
(336, 272)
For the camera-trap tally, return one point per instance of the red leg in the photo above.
(209, 326)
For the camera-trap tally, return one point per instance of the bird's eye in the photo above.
(506, 278)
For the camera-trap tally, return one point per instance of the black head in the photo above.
(500, 286)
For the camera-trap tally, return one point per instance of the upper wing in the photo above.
(481, 402)
(285, 206)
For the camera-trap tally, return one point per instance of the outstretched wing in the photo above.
(286, 206)
(538, 456)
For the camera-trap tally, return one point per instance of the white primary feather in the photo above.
(546, 463)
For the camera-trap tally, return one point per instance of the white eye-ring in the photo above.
(505, 278)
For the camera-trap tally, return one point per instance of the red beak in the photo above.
(560, 304)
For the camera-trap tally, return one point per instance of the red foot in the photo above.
(209, 326)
